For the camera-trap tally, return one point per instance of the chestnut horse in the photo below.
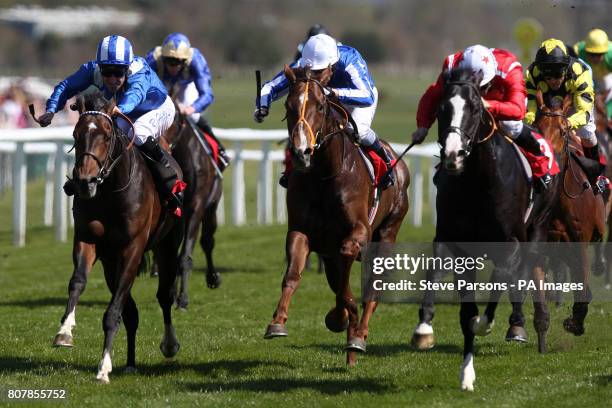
(117, 217)
(202, 196)
(328, 200)
(579, 215)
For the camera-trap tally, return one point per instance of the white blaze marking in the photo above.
(68, 324)
(468, 374)
(92, 126)
(453, 140)
(105, 367)
(301, 129)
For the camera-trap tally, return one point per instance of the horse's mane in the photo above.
(94, 101)
(464, 75)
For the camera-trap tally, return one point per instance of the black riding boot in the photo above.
(599, 183)
(388, 179)
(164, 175)
(223, 156)
(527, 141)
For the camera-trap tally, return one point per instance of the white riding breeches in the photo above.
(363, 117)
(152, 124)
(512, 127)
(186, 96)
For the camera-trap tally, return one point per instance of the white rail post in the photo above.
(20, 173)
(60, 202)
(238, 194)
(264, 187)
(417, 193)
(48, 211)
(281, 201)
(432, 191)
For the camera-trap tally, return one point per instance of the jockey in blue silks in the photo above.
(184, 72)
(139, 94)
(350, 82)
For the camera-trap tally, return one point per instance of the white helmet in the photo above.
(320, 51)
(479, 58)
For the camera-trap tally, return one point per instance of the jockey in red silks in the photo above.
(503, 93)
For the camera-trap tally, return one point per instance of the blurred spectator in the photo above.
(13, 108)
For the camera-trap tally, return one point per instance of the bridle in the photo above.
(565, 134)
(461, 132)
(109, 163)
(316, 140)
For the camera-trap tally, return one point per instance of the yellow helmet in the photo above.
(596, 42)
(176, 45)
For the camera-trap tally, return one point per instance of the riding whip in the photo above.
(258, 95)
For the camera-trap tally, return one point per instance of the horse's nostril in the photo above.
(308, 151)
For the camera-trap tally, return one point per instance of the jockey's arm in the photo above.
(531, 98)
(428, 104)
(202, 80)
(66, 89)
(274, 89)
(137, 85)
(513, 107)
(362, 94)
(583, 98)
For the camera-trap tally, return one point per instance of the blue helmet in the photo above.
(176, 45)
(114, 50)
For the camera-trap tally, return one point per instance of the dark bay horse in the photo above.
(483, 196)
(202, 196)
(579, 215)
(117, 217)
(328, 199)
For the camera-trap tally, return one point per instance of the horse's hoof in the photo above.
(63, 340)
(103, 378)
(275, 330)
(516, 333)
(169, 351)
(422, 342)
(481, 326)
(213, 281)
(336, 323)
(356, 344)
(571, 326)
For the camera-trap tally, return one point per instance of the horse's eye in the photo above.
(320, 108)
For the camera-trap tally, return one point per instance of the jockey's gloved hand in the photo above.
(45, 119)
(260, 114)
(329, 92)
(419, 135)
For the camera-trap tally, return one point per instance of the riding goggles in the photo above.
(173, 62)
(113, 71)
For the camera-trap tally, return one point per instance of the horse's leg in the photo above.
(297, 249)
(541, 318)
(575, 323)
(336, 319)
(423, 335)
(130, 321)
(83, 258)
(193, 217)
(167, 251)
(120, 273)
(209, 227)
(468, 312)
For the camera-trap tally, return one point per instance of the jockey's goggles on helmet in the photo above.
(117, 71)
(553, 71)
(173, 62)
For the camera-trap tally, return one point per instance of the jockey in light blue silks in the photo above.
(350, 82)
(139, 94)
(184, 72)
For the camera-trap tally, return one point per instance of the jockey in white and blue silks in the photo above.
(139, 94)
(186, 76)
(351, 82)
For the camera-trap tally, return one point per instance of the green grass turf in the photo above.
(224, 360)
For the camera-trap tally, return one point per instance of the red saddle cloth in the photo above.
(540, 165)
(214, 146)
(380, 168)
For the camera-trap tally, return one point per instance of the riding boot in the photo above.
(164, 175)
(598, 182)
(528, 141)
(69, 187)
(224, 159)
(388, 179)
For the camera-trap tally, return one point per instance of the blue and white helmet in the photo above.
(176, 45)
(114, 50)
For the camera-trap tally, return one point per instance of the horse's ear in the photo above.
(325, 76)
(477, 77)
(110, 106)
(289, 74)
(539, 99)
(78, 105)
(307, 72)
(567, 103)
